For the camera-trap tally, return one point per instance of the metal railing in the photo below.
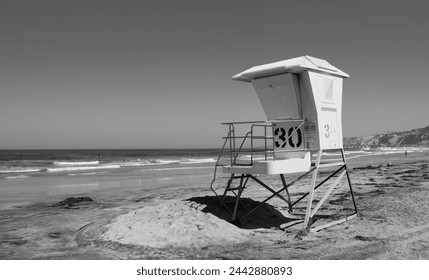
(267, 149)
(237, 143)
(231, 140)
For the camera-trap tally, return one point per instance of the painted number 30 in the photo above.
(281, 133)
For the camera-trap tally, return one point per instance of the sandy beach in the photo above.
(392, 222)
(115, 114)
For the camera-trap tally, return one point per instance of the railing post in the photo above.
(233, 142)
(230, 142)
(251, 145)
(265, 143)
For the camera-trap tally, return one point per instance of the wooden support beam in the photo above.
(315, 229)
(312, 187)
(328, 192)
(290, 224)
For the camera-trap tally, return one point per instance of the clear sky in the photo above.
(157, 74)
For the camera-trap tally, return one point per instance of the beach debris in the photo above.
(364, 238)
(173, 224)
(13, 240)
(368, 167)
(54, 235)
(71, 202)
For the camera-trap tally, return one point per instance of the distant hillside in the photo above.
(414, 138)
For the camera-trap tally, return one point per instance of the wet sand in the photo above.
(393, 223)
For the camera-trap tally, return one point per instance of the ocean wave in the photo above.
(144, 162)
(358, 156)
(400, 149)
(388, 152)
(177, 168)
(130, 164)
(164, 161)
(246, 158)
(78, 168)
(75, 163)
(197, 160)
(356, 152)
(20, 170)
(85, 174)
(17, 177)
(378, 153)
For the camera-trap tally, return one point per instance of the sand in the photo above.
(173, 223)
(393, 223)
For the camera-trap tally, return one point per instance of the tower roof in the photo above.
(293, 65)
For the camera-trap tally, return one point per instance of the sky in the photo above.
(157, 74)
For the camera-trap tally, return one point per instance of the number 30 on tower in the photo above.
(288, 137)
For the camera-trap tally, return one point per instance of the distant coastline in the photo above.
(415, 138)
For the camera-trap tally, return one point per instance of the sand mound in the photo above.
(173, 224)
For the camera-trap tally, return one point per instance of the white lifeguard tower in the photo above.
(302, 100)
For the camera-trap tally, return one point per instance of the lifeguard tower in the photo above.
(302, 99)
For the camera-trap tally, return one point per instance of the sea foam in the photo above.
(17, 177)
(21, 170)
(75, 163)
(198, 160)
(78, 168)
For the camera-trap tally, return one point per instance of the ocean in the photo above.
(33, 176)
(36, 224)
(43, 176)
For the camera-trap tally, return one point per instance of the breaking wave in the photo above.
(20, 170)
(75, 163)
(78, 168)
(17, 177)
(197, 160)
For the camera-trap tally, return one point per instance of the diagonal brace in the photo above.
(328, 192)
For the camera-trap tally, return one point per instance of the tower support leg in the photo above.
(310, 212)
(285, 186)
(312, 188)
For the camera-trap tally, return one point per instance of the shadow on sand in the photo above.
(266, 216)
